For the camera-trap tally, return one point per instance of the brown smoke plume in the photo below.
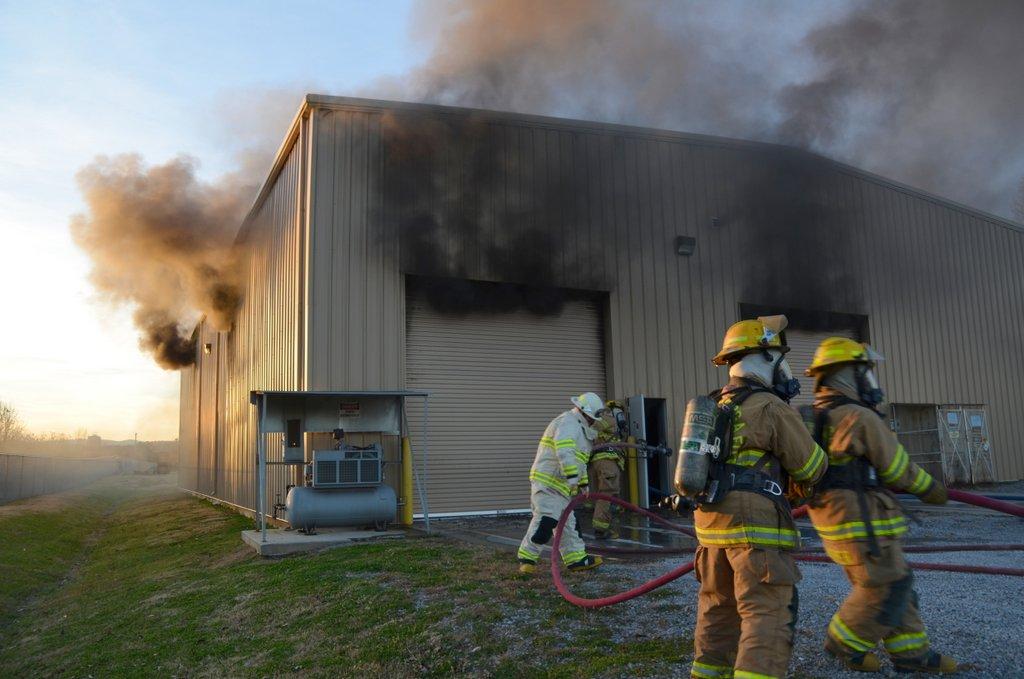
(925, 92)
(161, 241)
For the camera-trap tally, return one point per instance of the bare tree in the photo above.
(11, 428)
(1018, 202)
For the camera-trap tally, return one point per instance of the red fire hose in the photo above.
(957, 495)
(556, 573)
(949, 567)
(986, 502)
(915, 549)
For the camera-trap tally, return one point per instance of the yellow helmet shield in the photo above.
(835, 351)
(754, 335)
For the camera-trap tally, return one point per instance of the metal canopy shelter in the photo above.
(323, 411)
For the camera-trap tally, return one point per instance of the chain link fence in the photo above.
(24, 476)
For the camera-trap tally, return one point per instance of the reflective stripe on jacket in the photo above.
(562, 454)
(608, 432)
(763, 425)
(745, 456)
(855, 431)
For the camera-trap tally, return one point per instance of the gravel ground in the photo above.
(977, 619)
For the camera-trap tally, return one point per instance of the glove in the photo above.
(574, 486)
(677, 503)
(798, 493)
(936, 495)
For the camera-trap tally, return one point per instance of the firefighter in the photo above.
(559, 470)
(747, 605)
(606, 466)
(859, 519)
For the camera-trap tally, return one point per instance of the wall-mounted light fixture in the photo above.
(207, 348)
(685, 245)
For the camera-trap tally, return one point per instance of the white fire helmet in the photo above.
(590, 404)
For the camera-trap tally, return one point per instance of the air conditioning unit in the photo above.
(348, 467)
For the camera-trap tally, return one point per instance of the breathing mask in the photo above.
(620, 422)
(784, 384)
(868, 388)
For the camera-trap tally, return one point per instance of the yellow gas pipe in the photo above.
(632, 475)
(406, 510)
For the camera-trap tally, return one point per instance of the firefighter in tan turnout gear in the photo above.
(747, 604)
(607, 465)
(859, 520)
(559, 470)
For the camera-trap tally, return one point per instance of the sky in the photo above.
(82, 79)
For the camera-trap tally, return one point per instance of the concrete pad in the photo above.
(281, 542)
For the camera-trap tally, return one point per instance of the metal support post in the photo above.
(407, 507)
(262, 470)
(423, 465)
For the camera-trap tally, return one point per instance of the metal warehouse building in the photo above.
(505, 262)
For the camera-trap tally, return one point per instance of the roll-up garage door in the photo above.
(495, 381)
(803, 344)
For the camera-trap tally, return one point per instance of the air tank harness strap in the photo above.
(726, 477)
(755, 480)
(857, 475)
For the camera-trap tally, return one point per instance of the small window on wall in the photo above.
(953, 419)
(977, 421)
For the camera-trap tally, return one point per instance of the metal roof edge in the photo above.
(357, 103)
(276, 166)
(995, 219)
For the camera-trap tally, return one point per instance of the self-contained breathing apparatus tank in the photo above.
(698, 447)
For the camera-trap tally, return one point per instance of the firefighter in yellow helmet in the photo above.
(559, 470)
(747, 605)
(607, 464)
(858, 518)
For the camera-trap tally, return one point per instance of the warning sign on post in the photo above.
(349, 409)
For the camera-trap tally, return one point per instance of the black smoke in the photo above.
(792, 240)
(927, 92)
(468, 200)
(461, 297)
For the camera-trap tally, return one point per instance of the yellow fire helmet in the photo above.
(755, 335)
(837, 350)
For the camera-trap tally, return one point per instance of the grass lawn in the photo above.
(132, 578)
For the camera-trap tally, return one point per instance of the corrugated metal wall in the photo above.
(188, 422)
(262, 351)
(356, 298)
(940, 285)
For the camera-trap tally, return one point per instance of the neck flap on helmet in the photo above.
(857, 381)
(770, 368)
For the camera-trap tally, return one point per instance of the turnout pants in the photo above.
(882, 604)
(604, 475)
(547, 505)
(746, 612)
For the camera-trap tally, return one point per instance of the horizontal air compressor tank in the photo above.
(309, 508)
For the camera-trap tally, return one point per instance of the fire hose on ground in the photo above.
(678, 572)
